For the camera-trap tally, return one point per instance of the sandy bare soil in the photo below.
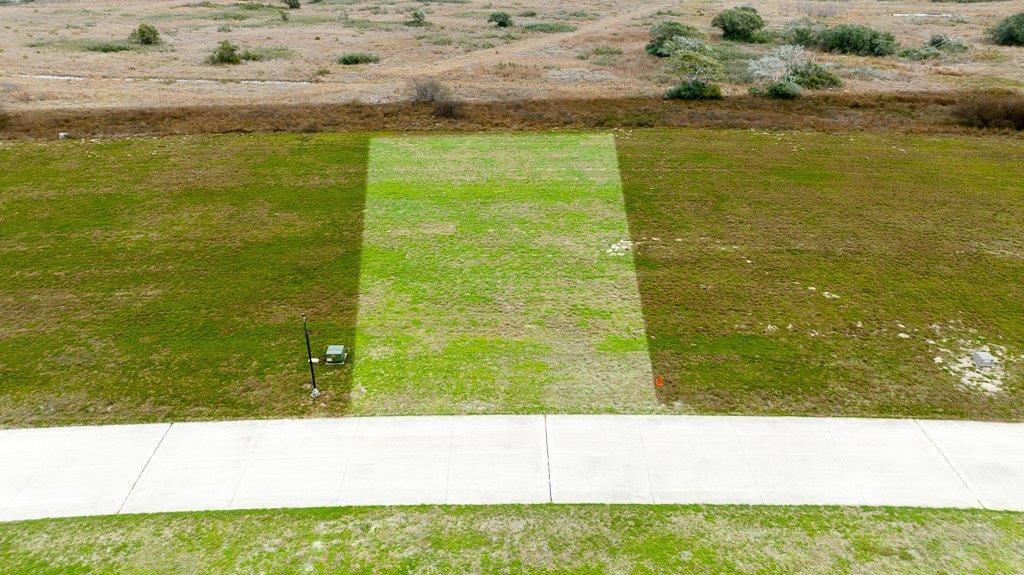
(44, 62)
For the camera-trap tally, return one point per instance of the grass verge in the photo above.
(525, 539)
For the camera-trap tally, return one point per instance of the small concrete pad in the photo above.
(597, 459)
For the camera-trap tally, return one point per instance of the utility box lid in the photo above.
(984, 359)
(336, 354)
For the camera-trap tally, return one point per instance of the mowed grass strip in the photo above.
(806, 273)
(525, 539)
(163, 279)
(487, 284)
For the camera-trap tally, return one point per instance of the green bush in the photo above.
(225, 53)
(1010, 31)
(549, 27)
(662, 35)
(741, 23)
(692, 66)
(695, 90)
(784, 90)
(145, 35)
(854, 39)
(353, 58)
(417, 18)
(814, 76)
(500, 19)
(292, 4)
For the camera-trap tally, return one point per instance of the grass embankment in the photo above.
(804, 273)
(536, 539)
(165, 279)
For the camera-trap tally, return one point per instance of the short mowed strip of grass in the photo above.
(807, 273)
(487, 282)
(164, 279)
(526, 539)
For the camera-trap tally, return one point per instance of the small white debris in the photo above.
(63, 136)
(829, 295)
(814, 333)
(619, 248)
(749, 261)
(902, 335)
(930, 341)
(771, 328)
(937, 359)
(790, 327)
(812, 288)
(679, 239)
(655, 239)
(859, 324)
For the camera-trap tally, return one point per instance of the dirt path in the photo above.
(495, 55)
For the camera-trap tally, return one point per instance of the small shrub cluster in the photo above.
(440, 96)
(228, 53)
(500, 19)
(743, 24)
(664, 34)
(354, 58)
(791, 65)
(925, 52)
(292, 4)
(1010, 31)
(947, 43)
(1001, 110)
(784, 90)
(694, 90)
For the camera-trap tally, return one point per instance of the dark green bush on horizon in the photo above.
(856, 39)
(695, 90)
(663, 33)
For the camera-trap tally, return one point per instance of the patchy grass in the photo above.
(164, 279)
(804, 273)
(486, 279)
(526, 539)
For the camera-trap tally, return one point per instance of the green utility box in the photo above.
(336, 354)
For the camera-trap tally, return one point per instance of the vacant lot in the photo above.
(829, 274)
(534, 539)
(791, 273)
(56, 53)
(165, 279)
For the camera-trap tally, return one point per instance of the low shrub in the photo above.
(500, 19)
(225, 53)
(814, 76)
(528, 13)
(855, 39)
(784, 90)
(947, 43)
(742, 23)
(145, 35)
(107, 46)
(292, 4)
(549, 27)
(417, 18)
(664, 33)
(1010, 31)
(354, 58)
(695, 90)
(925, 52)
(1001, 110)
(431, 91)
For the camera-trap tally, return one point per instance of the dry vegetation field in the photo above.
(51, 51)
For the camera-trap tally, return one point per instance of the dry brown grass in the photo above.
(929, 112)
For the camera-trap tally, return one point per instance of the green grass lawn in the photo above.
(164, 279)
(487, 285)
(532, 539)
(795, 273)
(803, 273)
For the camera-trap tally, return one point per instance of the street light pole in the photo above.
(309, 354)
